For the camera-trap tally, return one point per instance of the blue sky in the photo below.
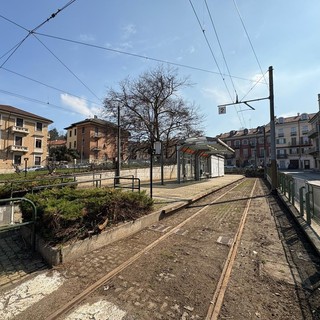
(284, 34)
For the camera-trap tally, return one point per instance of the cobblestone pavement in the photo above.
(16, 259)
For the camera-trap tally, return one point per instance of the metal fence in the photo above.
(303, 194)
(11, 203)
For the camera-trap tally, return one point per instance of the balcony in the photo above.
(280, 135)
(96, 135)
(96, 149)
(282, 156)
(16, 148)
(313, 132)
(17, 129)
(293, 134)
(313, 150)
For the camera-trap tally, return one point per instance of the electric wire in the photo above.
(16, 95)
(257, 82)
(138, 55)
(210, 48)
(16, 47)
(225, 60)
(68, 68)
(220, 46)
(248, 37)
(49, 86)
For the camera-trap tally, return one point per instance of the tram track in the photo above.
(220, 198)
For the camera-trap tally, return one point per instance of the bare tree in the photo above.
(152, 108)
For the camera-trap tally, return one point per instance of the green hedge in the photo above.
(66, 214)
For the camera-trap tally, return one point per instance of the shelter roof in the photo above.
(205, 146)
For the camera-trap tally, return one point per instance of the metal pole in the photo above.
(151, 169)
(318, 149)
(162, 165)
(272, 135)
(118, 164)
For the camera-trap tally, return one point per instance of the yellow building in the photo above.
(23, 138)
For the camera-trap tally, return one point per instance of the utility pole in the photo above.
(318, 128)
(118, 164)
(273, 160)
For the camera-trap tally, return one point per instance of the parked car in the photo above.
(33, 168)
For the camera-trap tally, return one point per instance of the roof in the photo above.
(94, 121)
(243, 133)
(296, 118)
(57, 142)
(205, 146)
(19, 112)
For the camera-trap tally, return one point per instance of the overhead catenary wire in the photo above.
(50, 86)
(17, 95)
(224, 59)
(210, 48)
(68, 69)
(248, 37)
(139, 56)
(16, 47)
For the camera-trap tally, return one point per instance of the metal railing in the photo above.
(302, 194)
(12, 226)
(134, 183)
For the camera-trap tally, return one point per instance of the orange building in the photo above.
(96, 140)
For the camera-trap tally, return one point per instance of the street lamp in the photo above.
(25, 166)
(155, 149)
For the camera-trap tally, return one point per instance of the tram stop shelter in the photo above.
(201, 157)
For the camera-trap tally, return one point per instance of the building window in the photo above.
(237, 143)
(245, 142)
(37, 160)
(261, 140)
(75, 131)
(39, 126)
(293, 131)
(281, 141)
(82, 130)
(304, 116)
(280, 132)
(19, 122)
(281, 120)
(305, 129)
(38, 143)
(17, 141)
(75, 144)
(17, 160)
(70, 133)
(293, 141)
(245, 153)
(261, 151)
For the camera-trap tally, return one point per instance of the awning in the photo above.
(205, 146)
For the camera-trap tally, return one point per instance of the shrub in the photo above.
(66, 213)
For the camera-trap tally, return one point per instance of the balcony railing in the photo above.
(96, 149)
(313, 150)
(313, 133)
(19, 129)
(14, 148)
(293, 134)
(96, 135)
(282, 156)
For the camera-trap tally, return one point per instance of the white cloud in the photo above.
(79, 105)
(87, 37)
(129, 30)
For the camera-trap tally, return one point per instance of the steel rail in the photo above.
(217, 300)
(77, 299)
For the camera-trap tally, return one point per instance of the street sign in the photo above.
(222, 109)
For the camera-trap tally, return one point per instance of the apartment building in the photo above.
(314, 135)
(294, 146)
(96, 140)
(293, 142)
(23, 138)
(251, 146)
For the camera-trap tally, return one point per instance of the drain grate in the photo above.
(225, 240)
